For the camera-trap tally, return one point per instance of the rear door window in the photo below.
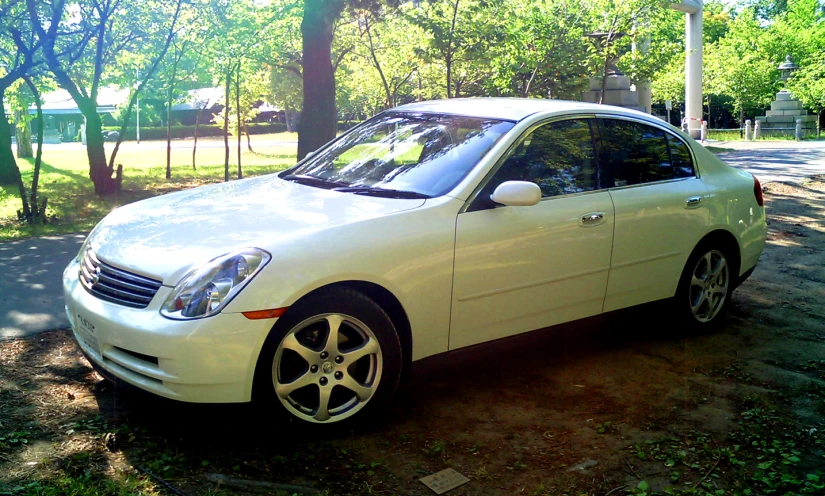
(634, 153)
(681, 158)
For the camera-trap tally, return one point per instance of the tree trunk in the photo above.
(226, 125)
(169, 119)
(291, 118)
(448, 59)
(319, 117)
(742, 122)
(248, 139)
(99, 171)
(38, 212)
(368, 30)
(195, 144)
(7, 162)
(24, 136)
(238, 115)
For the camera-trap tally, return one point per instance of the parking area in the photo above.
(609, 405)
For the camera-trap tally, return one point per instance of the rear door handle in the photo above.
(592, 218)
(693, 201)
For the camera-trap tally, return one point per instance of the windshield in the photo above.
(398, 153)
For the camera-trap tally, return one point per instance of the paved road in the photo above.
(784, 161)
(31, 293)
(31, 298)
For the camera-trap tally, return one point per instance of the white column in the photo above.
(693, 64)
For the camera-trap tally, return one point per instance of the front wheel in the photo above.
(705, 288)
(334, 358)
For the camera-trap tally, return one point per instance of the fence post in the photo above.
(798, 130)
(757, 131)
(704, 131)
(748, 131)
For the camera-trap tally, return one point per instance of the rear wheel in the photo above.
(333, 359)
(705, 288)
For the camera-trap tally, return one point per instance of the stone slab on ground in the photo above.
(31, 285)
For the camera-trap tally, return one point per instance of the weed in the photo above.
(605, 428)
(437, 448)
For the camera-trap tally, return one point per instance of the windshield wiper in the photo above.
(385, 193)
(313, 181)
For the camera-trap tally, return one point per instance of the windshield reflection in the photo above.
(422, 153)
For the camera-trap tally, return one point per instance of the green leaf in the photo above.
(642, 485)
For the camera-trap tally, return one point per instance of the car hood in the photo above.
(166, 236)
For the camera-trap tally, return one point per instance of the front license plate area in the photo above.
(87, 332)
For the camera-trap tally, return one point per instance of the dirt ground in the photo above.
(618, 404)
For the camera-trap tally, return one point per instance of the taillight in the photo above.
(757, 192)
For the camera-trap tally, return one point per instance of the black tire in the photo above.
(691, 296)
(365, 316)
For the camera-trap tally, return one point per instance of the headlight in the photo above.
(207, 289)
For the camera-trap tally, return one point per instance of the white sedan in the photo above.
(428, 228)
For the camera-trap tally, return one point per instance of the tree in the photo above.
(808, 85)
(18, 56)
(319, 117)
(738, 66)
(461, 35)
(619, 23)
(542, 51)
(82, 47)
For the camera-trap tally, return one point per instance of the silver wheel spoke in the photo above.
(718, 270)
(284, 390)
(322, 413)
(708, 262)
(698, 305)
(334, 322)
(709, 286)
(368, 348)
(291, 343)
(327, 367)
(363, 392)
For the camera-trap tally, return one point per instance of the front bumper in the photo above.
(210, 360)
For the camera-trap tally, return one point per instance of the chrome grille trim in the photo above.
(116, 285)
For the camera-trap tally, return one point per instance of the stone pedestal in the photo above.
(617, 92)
(781, 119)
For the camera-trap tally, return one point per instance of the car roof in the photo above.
(511, 109)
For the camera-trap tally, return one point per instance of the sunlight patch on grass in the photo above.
(74, 207)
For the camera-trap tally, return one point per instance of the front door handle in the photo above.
(592, 218)
(693, 201)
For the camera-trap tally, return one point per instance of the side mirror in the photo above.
(517, 194)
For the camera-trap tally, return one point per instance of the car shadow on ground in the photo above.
(479, 370)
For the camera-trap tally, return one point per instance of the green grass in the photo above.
(74, 207)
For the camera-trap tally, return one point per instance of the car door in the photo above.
(660, 207)
(524, 268)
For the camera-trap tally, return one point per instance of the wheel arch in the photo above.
(726, 240)
(387, 301)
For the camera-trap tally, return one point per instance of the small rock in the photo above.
(583, 465)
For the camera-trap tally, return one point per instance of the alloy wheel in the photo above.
(709, 286)
(327, 368)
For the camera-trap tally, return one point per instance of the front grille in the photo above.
(116, 285)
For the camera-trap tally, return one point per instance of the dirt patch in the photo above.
(616, 403)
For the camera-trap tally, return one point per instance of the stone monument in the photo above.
(617, 86)
(786, 110)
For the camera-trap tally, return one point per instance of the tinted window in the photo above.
(635, 153)
(680, 156)
(559, 157)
